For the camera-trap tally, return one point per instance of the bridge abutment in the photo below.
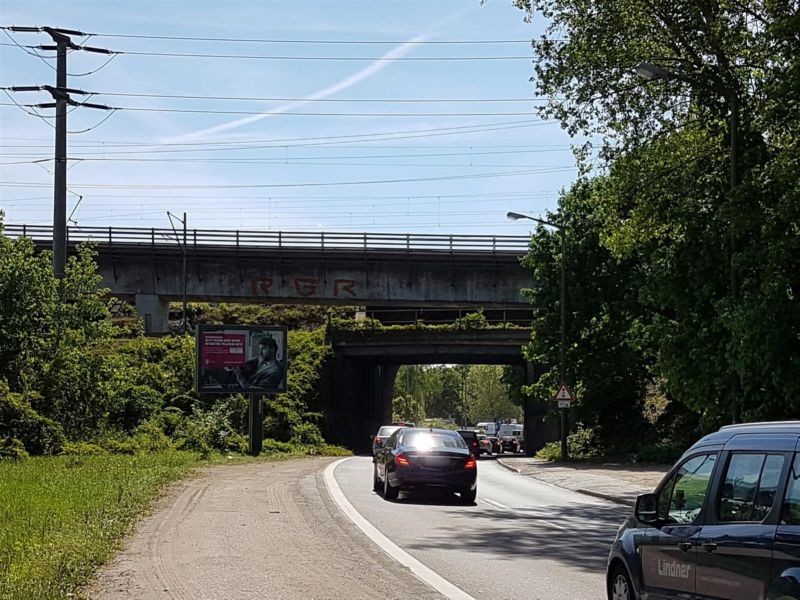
(154, 309)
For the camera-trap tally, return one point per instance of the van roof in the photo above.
(728, 431)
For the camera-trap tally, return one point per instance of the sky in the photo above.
(327, 144)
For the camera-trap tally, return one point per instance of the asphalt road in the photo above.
(523, 539)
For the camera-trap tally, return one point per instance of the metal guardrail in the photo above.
(281, 240)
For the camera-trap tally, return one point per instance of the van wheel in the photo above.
(620, 587)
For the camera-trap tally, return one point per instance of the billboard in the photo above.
(244, 359)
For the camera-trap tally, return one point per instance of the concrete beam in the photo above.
(155, 311)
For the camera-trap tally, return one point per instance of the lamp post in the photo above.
(563, 362)
(651, 72)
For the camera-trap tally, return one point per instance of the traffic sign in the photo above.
(564, 393)
(564, 403)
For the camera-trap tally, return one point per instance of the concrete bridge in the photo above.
(365, 364)
(146, 265)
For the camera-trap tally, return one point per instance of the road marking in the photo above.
(496, 504)
(433, 579)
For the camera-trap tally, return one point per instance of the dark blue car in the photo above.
(724, 522)
(416, 458)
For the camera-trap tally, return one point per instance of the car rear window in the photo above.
(387, 431)
(426, 440)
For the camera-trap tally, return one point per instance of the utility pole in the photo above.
(61, 95)
(184, 313)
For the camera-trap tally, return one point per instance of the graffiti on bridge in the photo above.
(308, 287)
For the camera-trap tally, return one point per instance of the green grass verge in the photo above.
(63, 517)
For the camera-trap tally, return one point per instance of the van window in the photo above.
(748, 490)
(790, 514)
(681, 498)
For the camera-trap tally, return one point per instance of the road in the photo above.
(522, 539)
(273, 530)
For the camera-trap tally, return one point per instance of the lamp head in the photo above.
(651, 72)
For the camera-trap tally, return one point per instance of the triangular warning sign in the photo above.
(564, 393)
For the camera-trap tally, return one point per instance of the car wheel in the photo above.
(376, 483)
(389, 492)
(620, 587)
(468, 496)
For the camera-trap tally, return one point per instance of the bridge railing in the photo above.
(288, 240)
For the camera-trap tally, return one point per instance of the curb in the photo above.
(609, 497)
(509, 467)
(603, 496)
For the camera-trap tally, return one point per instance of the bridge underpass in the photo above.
(365, 364)
(376, 270)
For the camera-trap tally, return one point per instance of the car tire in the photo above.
(389, 491)
(468, 496)
(619, 585)
(376, 483)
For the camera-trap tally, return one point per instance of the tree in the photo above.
(487, 395)
(408, 408)
(720, 266)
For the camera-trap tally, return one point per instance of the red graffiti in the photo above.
(261, 285)
(306, 286)
(344, 286)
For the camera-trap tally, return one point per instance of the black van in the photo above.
(723, 523)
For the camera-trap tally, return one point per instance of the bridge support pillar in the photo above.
(155, 312)
(386, 374)
(538, 430)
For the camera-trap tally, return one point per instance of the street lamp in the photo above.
(563, 366)
(651, 72)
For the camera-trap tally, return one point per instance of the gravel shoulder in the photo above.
(260, 530)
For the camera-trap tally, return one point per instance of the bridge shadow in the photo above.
(577, 536)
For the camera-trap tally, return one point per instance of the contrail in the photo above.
(367, 72)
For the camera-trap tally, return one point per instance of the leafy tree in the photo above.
(719, 265)
(488, 396)
(408, 408)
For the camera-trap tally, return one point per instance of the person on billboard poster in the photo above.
(263, 371)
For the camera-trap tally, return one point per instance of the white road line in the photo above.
(427, 575)
(496, 504)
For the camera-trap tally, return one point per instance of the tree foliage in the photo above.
(710, 258)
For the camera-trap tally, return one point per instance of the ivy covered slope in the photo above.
(69, 383)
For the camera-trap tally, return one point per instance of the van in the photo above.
(512, 429)
(723, 523)
(489, 427)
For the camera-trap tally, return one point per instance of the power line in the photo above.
(340, 100)
(305, 41)
(279, 141)
(286, 185)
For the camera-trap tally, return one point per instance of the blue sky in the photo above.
(287, 171)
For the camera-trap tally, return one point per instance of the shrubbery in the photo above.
(70, 383)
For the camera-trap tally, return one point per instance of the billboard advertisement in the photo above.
(234, 359)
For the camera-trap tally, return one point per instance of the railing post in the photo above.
(194, 236)
(322, 240)
(280, 240)
(408, 242)
(494, 244)
(153, 236)
(451, 243)
(365, 242)
(109, 236)
(24, 228)
(237, 239)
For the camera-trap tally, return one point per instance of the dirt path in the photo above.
(266, 530)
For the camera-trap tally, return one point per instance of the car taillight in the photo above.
(401, 460)
(377, 440)
(471, 463)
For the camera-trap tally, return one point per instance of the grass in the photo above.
(63, 517)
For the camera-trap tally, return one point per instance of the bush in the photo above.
(307, 434)
(39, 435)
(82, 449)
(134, 405)
(581, 445)
(12, 449)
